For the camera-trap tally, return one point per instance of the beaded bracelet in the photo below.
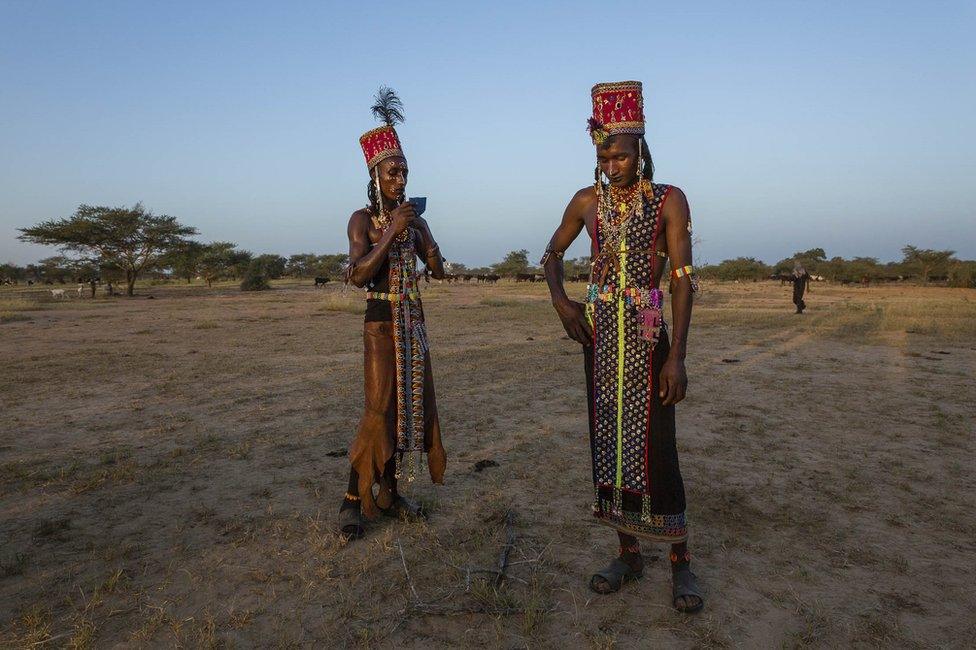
(682, 271)
(551, 253)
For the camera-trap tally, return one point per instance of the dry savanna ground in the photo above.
(170, 471)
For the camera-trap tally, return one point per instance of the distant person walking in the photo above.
(800, 280)
(399, 429)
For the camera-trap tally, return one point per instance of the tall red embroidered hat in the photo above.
(381, 143)
(618, 107)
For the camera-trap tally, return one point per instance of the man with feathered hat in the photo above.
(399, 431)
(635, 374)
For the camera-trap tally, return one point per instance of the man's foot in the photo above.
(404, 508)
(684, 588)
(386, 493)
(351, 520)
(609, 579)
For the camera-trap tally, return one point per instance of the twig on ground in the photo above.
(48, 640)
(407, 571)
(507, 549)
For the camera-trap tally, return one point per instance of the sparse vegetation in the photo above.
(164, 454)
(345, 301)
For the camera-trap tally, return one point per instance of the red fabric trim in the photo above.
(650, 361)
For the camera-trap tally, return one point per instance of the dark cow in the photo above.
(525, 277)
(321, 281)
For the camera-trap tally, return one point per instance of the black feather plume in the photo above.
(388, 106)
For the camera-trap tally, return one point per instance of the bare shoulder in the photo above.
(359, 219)
(676, 204)
(581, 202)
(585, 196)
(676, 196)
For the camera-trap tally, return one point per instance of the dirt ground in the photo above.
(170, 471)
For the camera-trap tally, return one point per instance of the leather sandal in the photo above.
(404, 508)
(684, 585)
(351, 523)
(610, 579)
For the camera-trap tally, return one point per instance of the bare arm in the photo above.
(570, 313)
(429, 250)
(676, 215)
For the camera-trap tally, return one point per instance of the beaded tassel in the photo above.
(618, 505)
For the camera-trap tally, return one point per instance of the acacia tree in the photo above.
(184, 259)
(926, 261)
(131, 239)
(331, 265)
(269, 265)
(813, 260)
(222, 259)
(301, 265)
(514, 262)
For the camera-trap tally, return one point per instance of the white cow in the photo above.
(57, 293)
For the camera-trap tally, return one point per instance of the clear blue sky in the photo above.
(848, 125)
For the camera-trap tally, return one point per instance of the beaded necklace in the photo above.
(617, 208)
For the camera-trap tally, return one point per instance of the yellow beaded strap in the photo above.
(392, 297)
(682, 271)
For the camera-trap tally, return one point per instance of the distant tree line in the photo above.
(918, 264)
(517, 263)
(121, 244)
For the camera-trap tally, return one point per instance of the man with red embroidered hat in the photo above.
(399, 431)
(634, 373)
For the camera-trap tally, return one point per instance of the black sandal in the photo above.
(404, 508)
(684, 585)
(614, 576)
(384, 495)
(351, 523)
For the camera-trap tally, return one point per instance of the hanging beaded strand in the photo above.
(380, 212)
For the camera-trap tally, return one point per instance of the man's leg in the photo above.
(630, 551)
(351, 500)
(681, 573)
(350, 518)
(400, 506)
(628, 565)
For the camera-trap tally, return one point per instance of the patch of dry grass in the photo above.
(838, 312)
(16, 303)
(499, 302)
(12, 308)
(343, 301)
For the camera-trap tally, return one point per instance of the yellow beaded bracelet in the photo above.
(682, 271)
